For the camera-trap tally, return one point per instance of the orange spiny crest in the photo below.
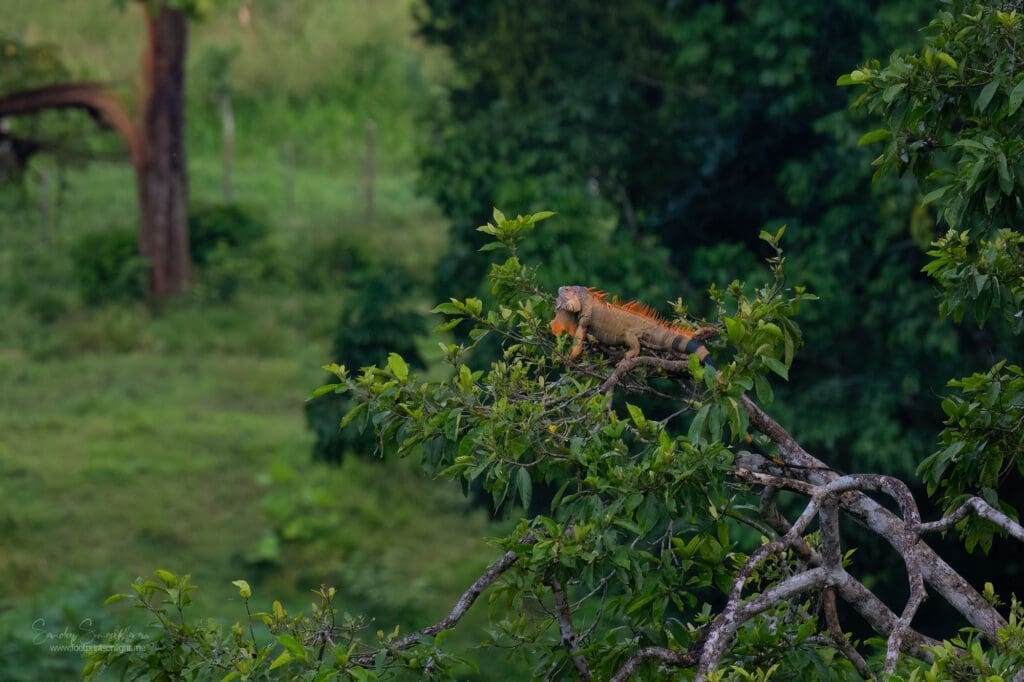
(598, 294)
(646, 311)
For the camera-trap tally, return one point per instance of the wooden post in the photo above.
(371, 167)
(289, 180)
(227, 123)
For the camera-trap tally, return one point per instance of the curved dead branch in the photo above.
(94, 98)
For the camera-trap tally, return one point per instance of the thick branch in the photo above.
(94, 98)
(934, 570)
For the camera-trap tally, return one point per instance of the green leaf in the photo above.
(763, 389)
(776, 366)
(398, 367)
(114, 598)
(452, 307)
(986, 96)
(890, 92)
(352, 414)
(1005, 176)
(879, 135)
(244, 591)
(935, 194)
(525, 484)
(284, 659)
(1016, 97)
(293, 646)
(734, 330)
(323, 390)
(499, 217)
(166, 577)
(947, 60)
(636, 414)
(697, 425)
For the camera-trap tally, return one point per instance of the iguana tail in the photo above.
(682, 343)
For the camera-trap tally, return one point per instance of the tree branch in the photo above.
(835, 631)
(980, 508)
(569, 639)
(679, 659)
(92, 97)
(458, 611)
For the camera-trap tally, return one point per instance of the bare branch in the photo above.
(982, 509)
(461, 607)
(94, 98)
(679, 659)
(569, 639)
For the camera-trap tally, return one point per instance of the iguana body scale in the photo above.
(580, 312)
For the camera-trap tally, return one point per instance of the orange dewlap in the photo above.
(563, 323)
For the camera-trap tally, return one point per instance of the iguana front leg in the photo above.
(633, 341)
(581, 331)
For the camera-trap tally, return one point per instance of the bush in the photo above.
(108, 266)
(210, 225)
(225, 275)
(339, 262)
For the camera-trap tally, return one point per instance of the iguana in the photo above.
(580, 311)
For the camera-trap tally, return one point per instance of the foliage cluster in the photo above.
(952, 116)
(666, 134)
(108, 266)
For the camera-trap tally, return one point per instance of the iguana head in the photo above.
(569, 299)
(567, 307)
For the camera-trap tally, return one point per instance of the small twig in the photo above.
(458, 611)
(835, 631)
(569, 639)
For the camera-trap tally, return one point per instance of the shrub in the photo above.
(108, 266)
(339, 262)
(211, 225)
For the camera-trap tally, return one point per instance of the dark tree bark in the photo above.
(156, 144)
(162, 185)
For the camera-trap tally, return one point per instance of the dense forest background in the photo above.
(340, 155)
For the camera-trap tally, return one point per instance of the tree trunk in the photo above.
(162, 186)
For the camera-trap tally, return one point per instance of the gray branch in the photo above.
(569, 638)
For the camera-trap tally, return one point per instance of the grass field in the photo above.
(134, 440)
